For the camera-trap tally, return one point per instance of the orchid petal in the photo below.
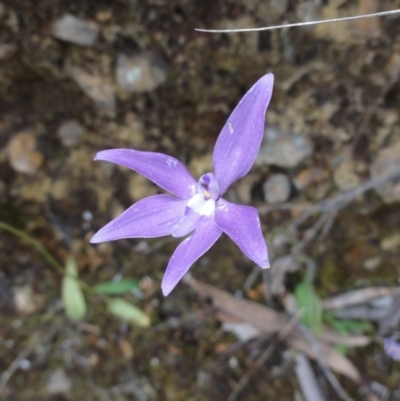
(242, 225)
(154, 216)
(165, 171)
(188, 252)
(240, 139)
(188, 223)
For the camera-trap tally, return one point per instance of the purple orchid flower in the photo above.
(392, 348)
(198, 207)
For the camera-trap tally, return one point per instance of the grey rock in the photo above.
(23, 154)
(387, 162)
(58, 383)
(279, 7)
(75, 30)
(142, 72)
(277, 188)
(70, 132)
(283, 149)
(98, 88)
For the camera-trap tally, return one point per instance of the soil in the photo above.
(338, 85)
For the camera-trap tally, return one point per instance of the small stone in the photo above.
(345, 177)
(391, 242)
(99, 89)
(277, 189)
(26, 301)
(104, 16)
(279, 7)
(58, 383)
(75, 30)
(310, 176)
(126, 349)
(372, 263)
(70, 132)
(142, 72)
(282, 149)
(388, 160)
(22, 153)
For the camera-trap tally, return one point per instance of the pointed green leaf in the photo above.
(72, 295)
(117, 287)
(308, 300)
(128, 312)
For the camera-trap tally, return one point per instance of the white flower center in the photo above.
(201, 205)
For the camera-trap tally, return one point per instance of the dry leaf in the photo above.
(269, 321)
(357, 297)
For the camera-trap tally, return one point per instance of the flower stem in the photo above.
(39, 247)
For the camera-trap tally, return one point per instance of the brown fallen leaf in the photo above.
(269, 321)
(328, 355)
(357, 297)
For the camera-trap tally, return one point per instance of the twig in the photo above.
(308, 23)
(286, 330)
(370, 110)
(33, 342)
(330, 207)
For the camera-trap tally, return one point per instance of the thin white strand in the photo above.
(326, 21)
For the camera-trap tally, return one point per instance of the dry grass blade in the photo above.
(307, 380)
(349, 341)
(308, 23)
(270, 321)
(357, 297)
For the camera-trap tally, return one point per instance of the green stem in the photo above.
(39, 247)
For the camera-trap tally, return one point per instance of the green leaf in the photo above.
(128, 312)
(341, 328)
(308, 300)
(117, 287)
(357, 326)
(72, 295)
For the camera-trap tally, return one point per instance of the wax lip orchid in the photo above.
(198, 208)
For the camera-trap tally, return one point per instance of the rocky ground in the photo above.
(77, 77)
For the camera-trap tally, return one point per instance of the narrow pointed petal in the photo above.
(165, 171)
(242, 225)
(240, 139)
(154, 216)
(188, 252)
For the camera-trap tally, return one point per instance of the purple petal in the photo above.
(188, 252)
(242, 225)
(240, 139)
(165, 171)
(153, 216)
(392, 348)
(188, 223)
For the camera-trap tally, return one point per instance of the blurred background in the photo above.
(77, 77)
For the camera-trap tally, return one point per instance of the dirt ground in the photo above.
(337, 88)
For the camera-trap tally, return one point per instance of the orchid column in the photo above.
(197, 208)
